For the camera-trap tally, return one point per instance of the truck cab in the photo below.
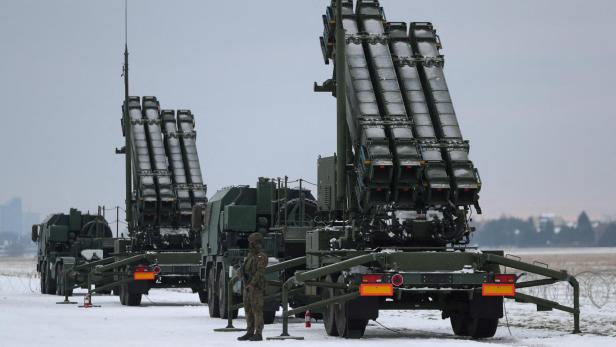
(65, 240)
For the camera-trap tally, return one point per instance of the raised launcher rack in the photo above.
(368, 130)
(158, 158)
(176, 163)
(426, 47)
(143, 178)
(186, 125)
(167, 181)
(406, 140)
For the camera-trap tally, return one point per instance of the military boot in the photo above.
(256, 337)
(246, 337)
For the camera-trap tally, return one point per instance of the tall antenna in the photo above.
(127, 129)
(126, 22)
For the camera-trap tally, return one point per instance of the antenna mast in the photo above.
(127, 129)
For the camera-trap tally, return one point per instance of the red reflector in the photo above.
(372, 278)
(439, 189)
(156, 269)
(406, 189)
(140, 268)
(382, 167)
(466, 189)
(408, 168)
(397, 280)
(378, 189)
(505, 278)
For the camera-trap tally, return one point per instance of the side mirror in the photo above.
(35, 233)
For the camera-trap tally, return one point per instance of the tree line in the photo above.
(517, 232)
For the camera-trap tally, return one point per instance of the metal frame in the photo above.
(310, 278)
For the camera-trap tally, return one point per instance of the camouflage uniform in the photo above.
(253, 275)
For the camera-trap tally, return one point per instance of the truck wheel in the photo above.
(222, 296)
(59, 284)
(202, 296)
(481, 328)
(459, 323)
(127, 298)
(329, 319)
(133, 299)
(43, 288)
(212, 298)
(122, 293)
(269, 317)
(348, 327)
(50, 283)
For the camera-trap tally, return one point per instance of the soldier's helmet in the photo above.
(255, 237)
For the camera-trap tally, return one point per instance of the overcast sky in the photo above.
(533, 83)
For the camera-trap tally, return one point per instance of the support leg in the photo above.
(230, 327)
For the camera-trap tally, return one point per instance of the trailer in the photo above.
(165, 195)
(395, 201)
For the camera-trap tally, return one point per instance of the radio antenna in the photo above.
(127, 129)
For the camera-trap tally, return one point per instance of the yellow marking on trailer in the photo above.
(496, 289)
(386, 289)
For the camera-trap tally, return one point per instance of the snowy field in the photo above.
(176, 318)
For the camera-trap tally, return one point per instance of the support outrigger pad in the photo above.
(285, 337)
(228, 329)
(66, 302)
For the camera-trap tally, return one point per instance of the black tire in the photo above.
(269, 317)
(212, 298)
(481, 328)
(122, 289)
(42, 279)
(329, 315)
(202, 296)
(129, 299)
(133, 299)
(50, 283)
(348, 327)
(58, 280)
(459, 323)
(222, 296)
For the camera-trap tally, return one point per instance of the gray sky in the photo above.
(532, 81)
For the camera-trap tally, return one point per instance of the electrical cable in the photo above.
(387, 328)
(506, 318)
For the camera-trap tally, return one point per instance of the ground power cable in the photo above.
(506, 318)
(390, 329)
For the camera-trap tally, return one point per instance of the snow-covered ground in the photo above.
(176, 318)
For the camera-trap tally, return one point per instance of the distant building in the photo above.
(11, 217)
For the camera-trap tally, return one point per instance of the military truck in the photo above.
(281, 214)
(396, 199)
(163, 185)
(69, 240)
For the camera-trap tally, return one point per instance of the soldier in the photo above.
(253, 276)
